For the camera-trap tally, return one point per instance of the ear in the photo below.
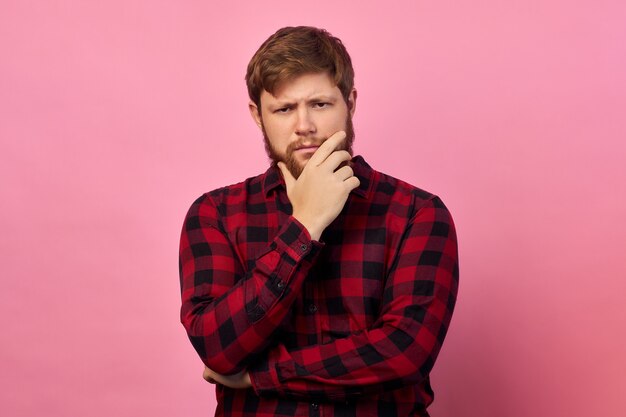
(255, 113)
(352, 102)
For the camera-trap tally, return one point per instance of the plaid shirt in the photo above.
(348, 326)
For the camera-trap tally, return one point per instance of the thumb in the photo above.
(289, 179)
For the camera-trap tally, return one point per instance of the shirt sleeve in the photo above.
(228, 311)
(402, 345)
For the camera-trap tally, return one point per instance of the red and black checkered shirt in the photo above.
(348, 326)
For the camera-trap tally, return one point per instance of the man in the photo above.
(322, 286)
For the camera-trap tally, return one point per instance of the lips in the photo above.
(307, 148)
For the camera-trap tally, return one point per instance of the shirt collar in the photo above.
(272, 178)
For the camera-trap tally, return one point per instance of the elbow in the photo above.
(221, 366)
(208, 347)
(214, 359)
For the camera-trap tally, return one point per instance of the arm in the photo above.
(228, 314)
(401, 347)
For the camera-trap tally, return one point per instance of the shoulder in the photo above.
(411, 205)
(402, 195)
(220, 201)
(395, 186)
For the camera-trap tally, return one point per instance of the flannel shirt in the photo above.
(347, 326)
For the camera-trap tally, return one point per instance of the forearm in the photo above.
(401, 346)
(230, 314)
(369, 362)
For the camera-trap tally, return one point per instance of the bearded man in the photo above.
(321, 287)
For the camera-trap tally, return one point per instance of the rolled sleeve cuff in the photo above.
(285, 266)
(265, 382)
(296, 241)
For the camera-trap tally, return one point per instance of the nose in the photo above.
(304, 122)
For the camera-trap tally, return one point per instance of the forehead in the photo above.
(303, 87)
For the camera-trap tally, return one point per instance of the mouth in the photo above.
(307, 149)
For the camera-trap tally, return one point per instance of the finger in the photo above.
(352, 183)
(335, 159)
(327, 147)
(344, 173)
(208, 375)
(289, 179)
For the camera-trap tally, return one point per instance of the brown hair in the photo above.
(294, 51)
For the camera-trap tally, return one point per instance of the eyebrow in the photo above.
(314, 99)
(321, 97)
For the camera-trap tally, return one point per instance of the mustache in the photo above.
(305, 142)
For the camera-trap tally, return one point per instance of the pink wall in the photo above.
(115, 115)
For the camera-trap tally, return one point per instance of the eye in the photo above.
(321, 105)
(283, 109)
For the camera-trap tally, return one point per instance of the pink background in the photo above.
(115, 115)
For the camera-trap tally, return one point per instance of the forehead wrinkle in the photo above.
(327, 89)
(311, 96)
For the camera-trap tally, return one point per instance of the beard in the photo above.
(289, 158)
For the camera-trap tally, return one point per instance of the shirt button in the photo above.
(280, 285)
(315, 406)
(303, 247)
(312, 308)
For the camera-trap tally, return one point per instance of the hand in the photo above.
(238, 381)
(319, 194)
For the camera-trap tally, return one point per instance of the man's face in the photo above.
(302, 114)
